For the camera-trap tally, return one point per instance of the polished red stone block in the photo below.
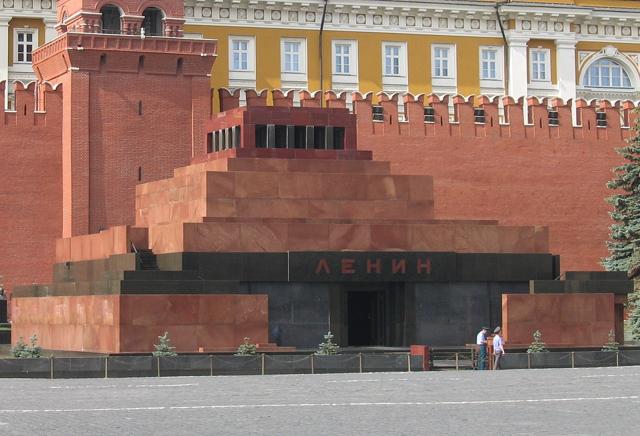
(132, 323)
(577, 320)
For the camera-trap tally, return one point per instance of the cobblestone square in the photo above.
(599, 401)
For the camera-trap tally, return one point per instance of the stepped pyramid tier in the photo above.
(282, 231)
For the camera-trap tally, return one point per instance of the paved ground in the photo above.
(601, 401)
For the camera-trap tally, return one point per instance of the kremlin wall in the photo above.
(520, 173)
(131, 206)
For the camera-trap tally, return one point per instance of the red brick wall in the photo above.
(552, 176)
(30, 187)
(122, 141)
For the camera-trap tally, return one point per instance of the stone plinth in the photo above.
(565, 320)
(132, 323)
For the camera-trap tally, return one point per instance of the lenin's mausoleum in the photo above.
(148, 210)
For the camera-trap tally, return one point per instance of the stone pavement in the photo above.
(598, 401)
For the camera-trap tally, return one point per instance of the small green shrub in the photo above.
(611, 344)
(246, 348)
(164, 348)
(23, 351)
(537, 346)
(328, 347)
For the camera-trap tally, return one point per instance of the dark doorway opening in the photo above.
(365, 318)
(369, 314)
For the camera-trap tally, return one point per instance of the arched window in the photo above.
(110, 19)
(605, 73)
(152, 22)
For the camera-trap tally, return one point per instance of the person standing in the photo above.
(481, 342)
(498, 347)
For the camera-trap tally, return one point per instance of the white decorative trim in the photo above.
(629, 64)
(243, 78)
(34, 45)
(445, 84)
(492, 86)
(291, 79)
(348, 81)
(395, 82)
(537, 82)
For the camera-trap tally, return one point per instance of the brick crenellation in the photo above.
(431, 115)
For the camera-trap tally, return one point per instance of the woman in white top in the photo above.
(498, 347)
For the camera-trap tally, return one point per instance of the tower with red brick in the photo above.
(135, 98)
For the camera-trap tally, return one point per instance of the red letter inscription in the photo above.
(371, 266)
(398, 266)
(323, 266)
(348, 266)
(424, 265)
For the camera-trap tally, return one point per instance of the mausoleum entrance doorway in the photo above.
(371, 314)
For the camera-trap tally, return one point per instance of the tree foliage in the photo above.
(27, 351)
(634, 315)
(612, 344)
(164, 348)
(625, 232)
(538, 345)
(328, 347)
(246, 348)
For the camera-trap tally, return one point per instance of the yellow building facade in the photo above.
(546, 48)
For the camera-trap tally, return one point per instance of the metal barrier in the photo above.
(570, 359)
(267, 364)
(205, 365)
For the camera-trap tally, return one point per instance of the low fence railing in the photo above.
(570, 359)
(206, 365)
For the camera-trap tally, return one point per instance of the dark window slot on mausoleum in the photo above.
(281, 137)
(377, 112)
(338, 138)
(553, 119)
(319, 137)
(236, 136)
(478, 114)
(261, 136)
(300, 137)
(210, 142)
(429, 115)
(601, 119)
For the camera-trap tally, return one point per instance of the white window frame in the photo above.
(547, 65)
(614, 65)
(302, 55)
(497, 62)
(494, 86)
(448, 83)
(393, 70)
(437, 73)
(341, 80)
(34, 44)
(294, 79)
(395, 82)
(249, 52)
(243, 78)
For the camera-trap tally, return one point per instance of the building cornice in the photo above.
(459, 18)
(27, 8)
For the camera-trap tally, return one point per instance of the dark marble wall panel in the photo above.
(453, 313)
(298, 312)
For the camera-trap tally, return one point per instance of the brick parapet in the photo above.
(456, 115)
(94, 52)
(36, 105)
